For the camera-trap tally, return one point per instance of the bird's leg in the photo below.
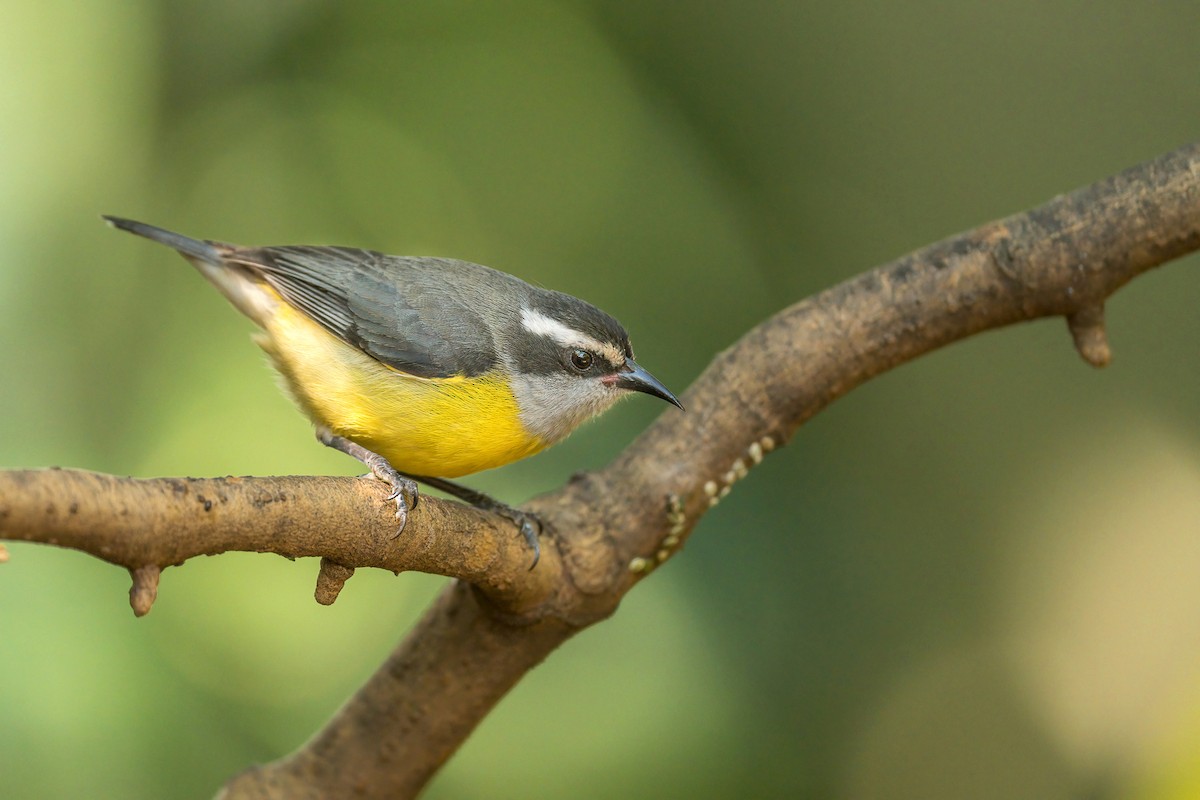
(405, 492)
(404, 488)
(529, 524)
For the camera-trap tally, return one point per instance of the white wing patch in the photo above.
(539, 324)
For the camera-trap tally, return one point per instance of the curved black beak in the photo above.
(633, 377)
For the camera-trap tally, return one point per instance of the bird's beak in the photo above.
(633, 377)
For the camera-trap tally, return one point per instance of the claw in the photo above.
(404, 494)
(529, 524)
(404, 490)
(531, 538)
(401, 513)
(402, 487)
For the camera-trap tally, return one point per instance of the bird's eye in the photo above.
(581, 360)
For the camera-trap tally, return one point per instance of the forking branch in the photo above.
(606, 530)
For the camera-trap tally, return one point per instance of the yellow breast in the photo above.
(443, 427)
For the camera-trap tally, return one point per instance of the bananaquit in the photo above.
(423, 369)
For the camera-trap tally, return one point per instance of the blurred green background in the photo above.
(978, 576)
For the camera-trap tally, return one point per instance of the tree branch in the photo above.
(147, 525)
(611, 528)
(1061, 259)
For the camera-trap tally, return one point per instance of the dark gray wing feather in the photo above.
(413, 314)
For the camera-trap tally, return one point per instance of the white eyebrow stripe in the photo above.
(539, 324)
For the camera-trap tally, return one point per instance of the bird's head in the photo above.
(569, 361)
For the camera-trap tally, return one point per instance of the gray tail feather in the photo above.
(184, 244)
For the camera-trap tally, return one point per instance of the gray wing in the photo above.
(412, 314)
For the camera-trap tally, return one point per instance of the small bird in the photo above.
(423, 369)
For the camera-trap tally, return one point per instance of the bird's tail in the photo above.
(192, 248)
(233, 279)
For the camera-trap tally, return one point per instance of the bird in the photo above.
(424, 369)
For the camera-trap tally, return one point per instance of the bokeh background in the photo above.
(977, 576)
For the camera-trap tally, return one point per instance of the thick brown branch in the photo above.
(401, 711)
(162, 522)
(1061, 259)
(611, 528)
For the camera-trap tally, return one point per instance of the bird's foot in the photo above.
(528, 523)
(404, 490)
